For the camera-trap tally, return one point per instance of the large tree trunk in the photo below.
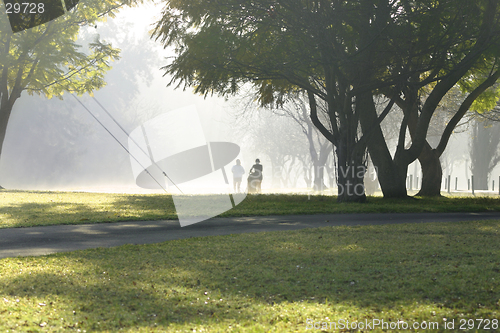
(391, 177)
(5, 112)
(350, 181)
(351, 173)
(432, 172)
(391, 174)
(4, 120)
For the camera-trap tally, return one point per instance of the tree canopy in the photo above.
(343, 52)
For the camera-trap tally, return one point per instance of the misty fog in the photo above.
(57, 145)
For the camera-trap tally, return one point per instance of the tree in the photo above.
(432, 46)
(45, 60)
(319, 148)
(344, 53)
(484, 151)
(221, 46)
(463, 50)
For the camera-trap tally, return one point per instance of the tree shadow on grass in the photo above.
(411, 272)
(79, 208)
(25, 209)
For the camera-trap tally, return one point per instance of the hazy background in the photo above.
(55, 144)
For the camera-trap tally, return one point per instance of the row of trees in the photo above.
(346, 54)
(354, 60)
(295, 150)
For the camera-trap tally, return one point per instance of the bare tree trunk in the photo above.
(432, 172)
(5, 112)
(351, 174)
(350, 165)
(320, 165)
(391, 175)
(484, 152)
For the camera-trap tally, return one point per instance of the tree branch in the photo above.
(463, 109)
(482, 43)
(315, 120)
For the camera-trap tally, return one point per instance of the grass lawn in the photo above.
(31, 208)
(274, 281)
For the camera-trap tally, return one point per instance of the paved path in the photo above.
(44, 240)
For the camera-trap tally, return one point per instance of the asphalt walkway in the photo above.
(36, 241)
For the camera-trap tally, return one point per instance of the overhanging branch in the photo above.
(464, 107)
(315, 120)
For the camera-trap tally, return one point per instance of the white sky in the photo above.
(142, 17)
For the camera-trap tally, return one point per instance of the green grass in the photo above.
(32, 208)
(273, 281)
